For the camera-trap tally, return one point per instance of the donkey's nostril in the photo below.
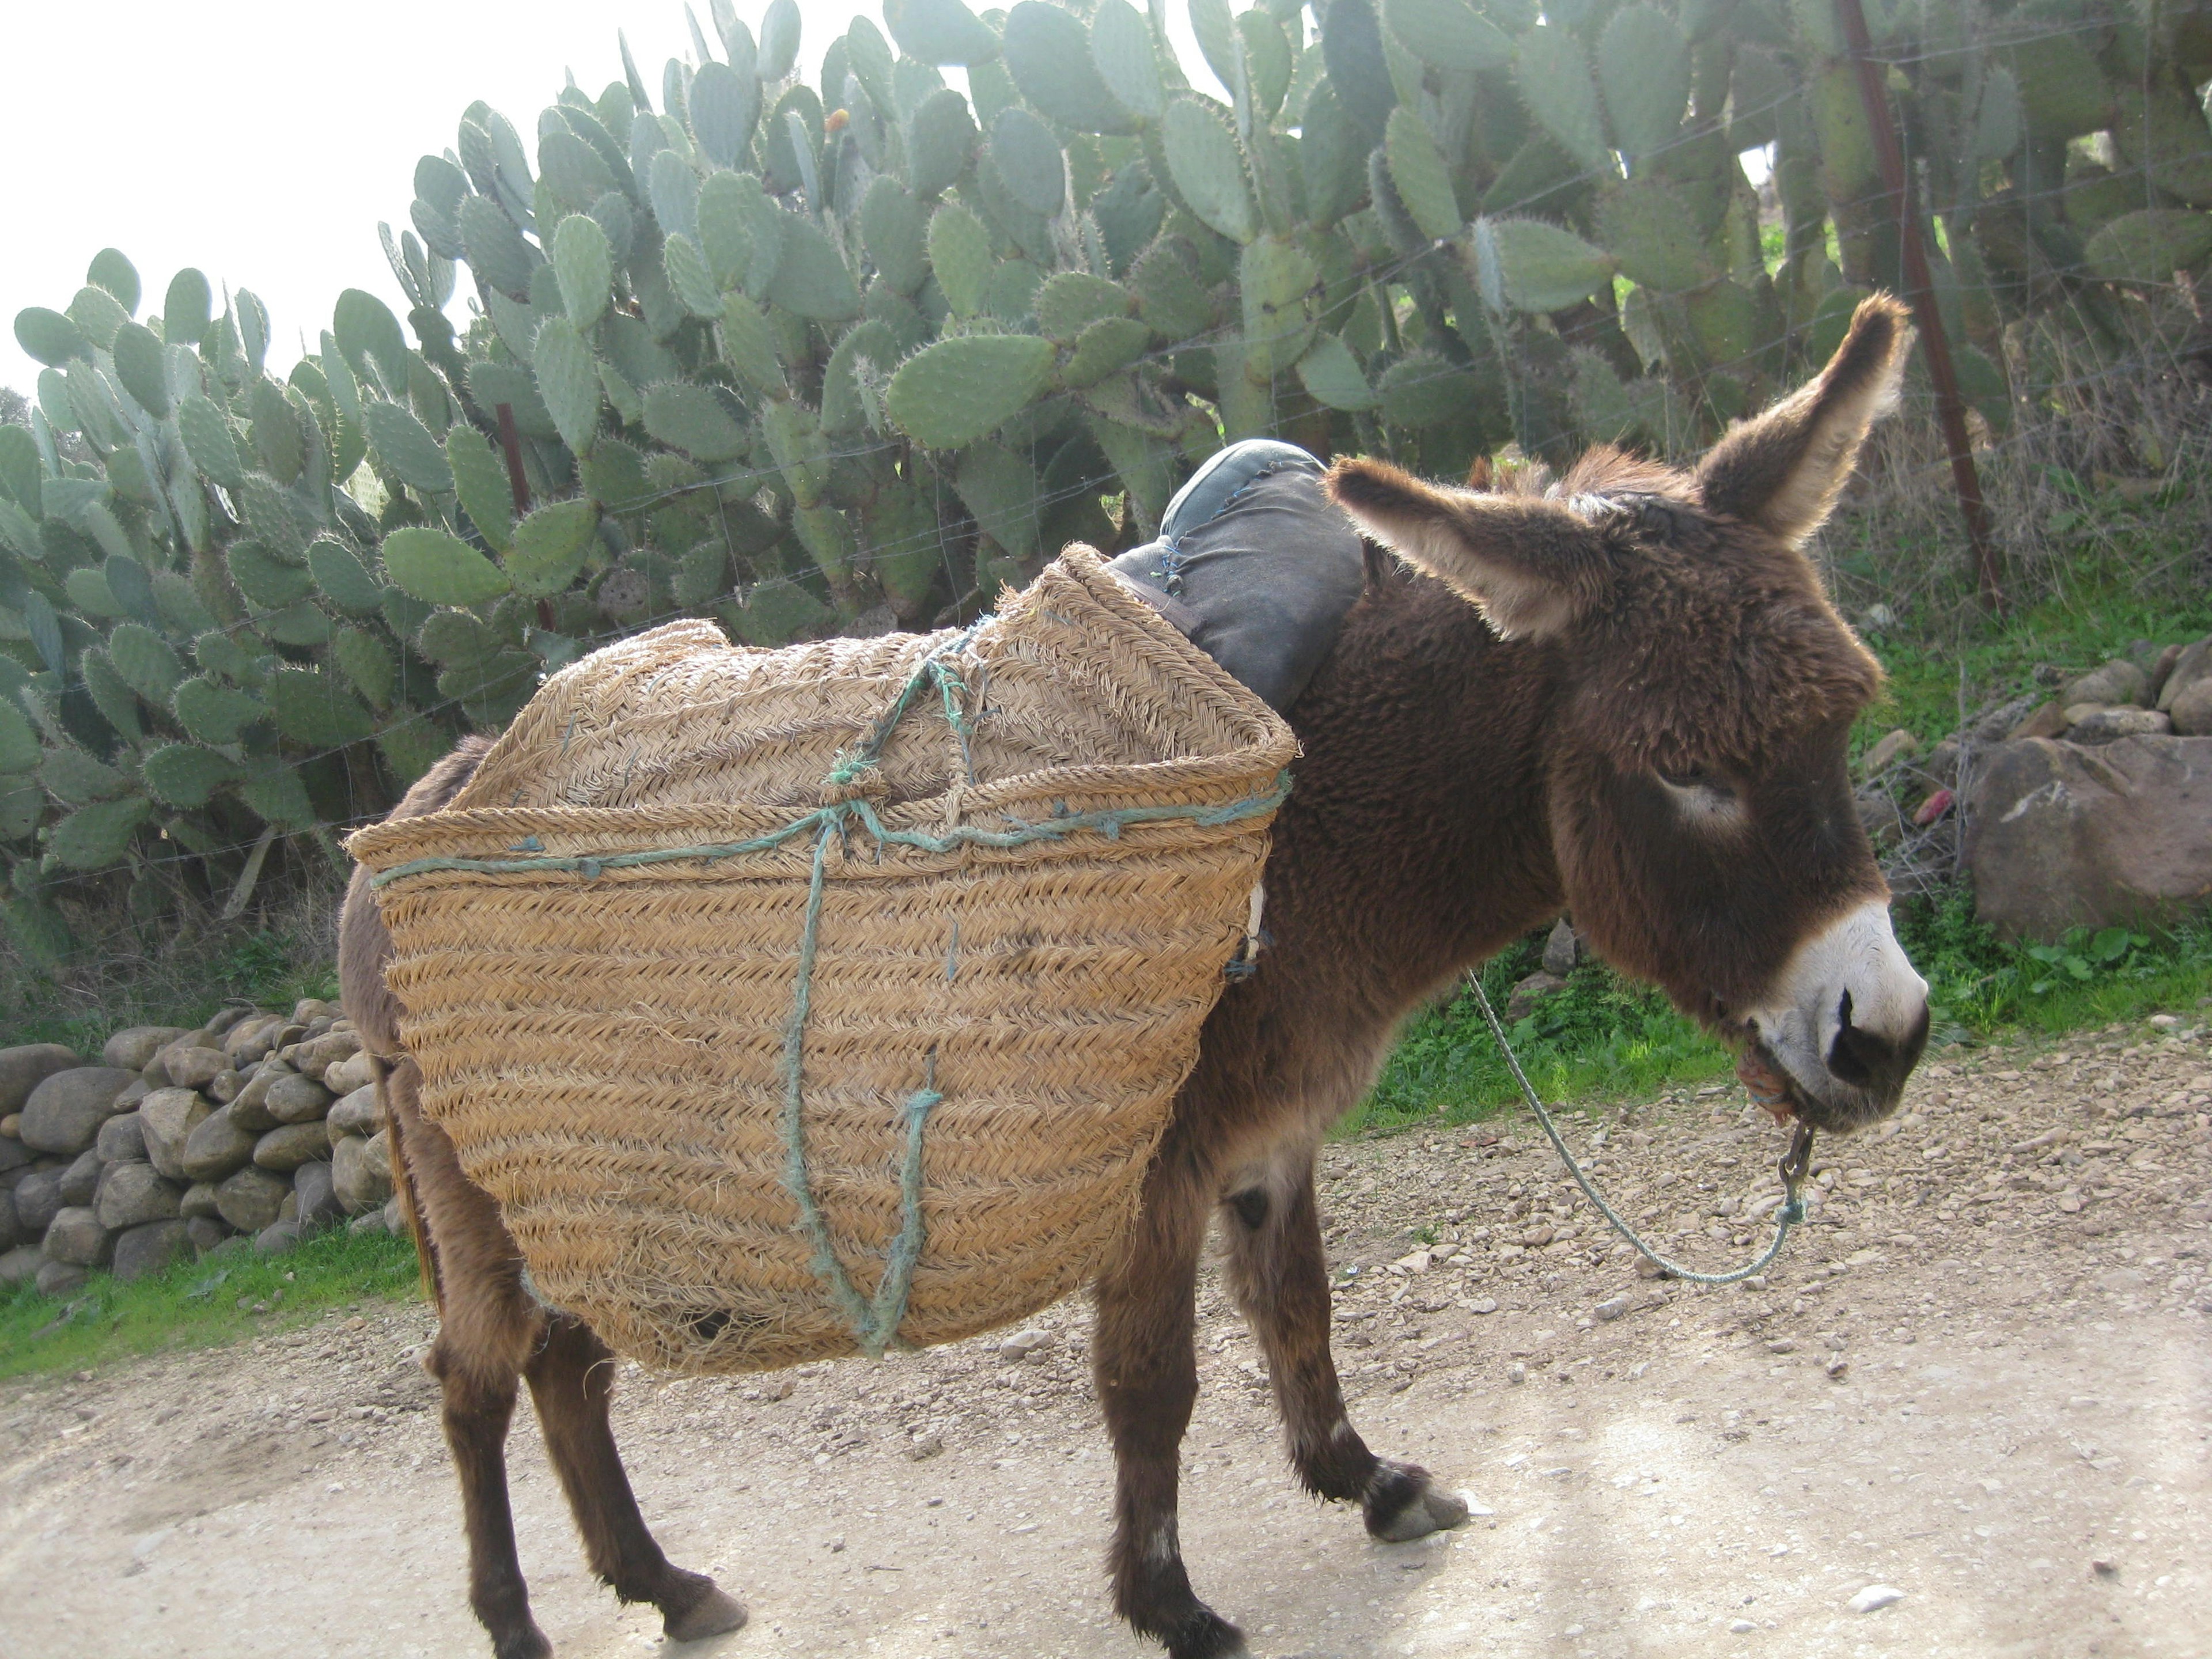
(1868, 1060)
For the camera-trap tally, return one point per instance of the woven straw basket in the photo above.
(792, 1003)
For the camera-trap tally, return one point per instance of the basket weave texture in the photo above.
(699, 1083)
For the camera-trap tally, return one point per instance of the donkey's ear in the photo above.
(1530, 565)
(1784, 469)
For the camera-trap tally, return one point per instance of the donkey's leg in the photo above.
(1147, 1377)
(572, 1381)
(1281, 1278)
(488, 1328)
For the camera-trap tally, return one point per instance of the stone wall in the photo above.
(253, 1131)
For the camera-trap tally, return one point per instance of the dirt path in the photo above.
(1982, 1373)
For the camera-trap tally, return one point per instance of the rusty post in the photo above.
(1950, 407)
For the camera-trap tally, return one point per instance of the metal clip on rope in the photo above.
(1792, 1168)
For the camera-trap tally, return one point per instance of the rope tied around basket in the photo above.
(851, 793)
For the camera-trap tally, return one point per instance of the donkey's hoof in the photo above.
(710, 1614)
(525, 1642)
(1403, 1504)
(1206, 1635)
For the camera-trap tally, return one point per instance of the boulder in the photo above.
(2193, 665)
(205, 1231)
(2117, 683)
(2048, 721)
(357, 1113)
(2192, 712)
(289, 1145)
(277, 1238)
(223, 1087)
(134, 1045)
(249, 1199)
(20, 1265)
(215, 1147)
(199, 1199)
(148, 1249)
(168, 1118)
(1561, 947)
(66, 1110)
(122, 1139)
(307, 1010)
(315, 1057)
(395, 1222)
(38, 1202)
(1530, 991)
(224, 1019)
(370, 1221)
(2160, 669)
(77, 1237)
(2059, 836)
(11, 1230)
(81, 1179)
(24, 1067)
(314, 1186)
(61, 1279)
(193, 1067)
(2105, 724)
(250, 1109)
(298, 1099)
(362, 1172)
(133, 1091)
(356, 1071)
(1895, 746)
(289, 1209)
(252, 1038)
(131, 1195)
(14, 1154)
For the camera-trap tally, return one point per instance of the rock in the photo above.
(1896, 745)
(193, 1067)
(307, 1010)
(357, 1113)
(922, 1447)
(38, 1202)
(1021, 1344)
(289, 1145)
(133, 1091)
(166, 1120)
(356, 1071)
(277, 1238)
(1740, 1627)
(318, 1055)
(1612, 1308)
(134, 1045)
(1874, 1597)
(24, 1067)
(223, 1087)
(2192, 712)
(1942, 763)
(2059, 836)
(77, 1237)
(1992, 727)
(252, 1038)
(20, 1265)
(122, 1139)
(66, 1108)
(131, 1195)
(198, 1200)
(362, 1172)
(61, 1279)
(11, 1229)
(1560, 949)
(289, 1209)
(250, 1109)
(14, 1154)
(81, 1179)
(2117, 683)
(1529, 992)
(298, 1099)
(371, 1221)
(2192, 665)
(148, 1249)
(395, 1223)
(2160, 669)
(2107, 724)
(249, 1199)
(319, 1206)
(205, 1231)
(216, 1146)
(2048, 721)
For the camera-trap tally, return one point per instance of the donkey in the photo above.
(1626, 694)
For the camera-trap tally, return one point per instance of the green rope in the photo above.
(1792, 1170)
(875, 1322)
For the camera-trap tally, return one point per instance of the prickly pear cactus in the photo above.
(811, 341)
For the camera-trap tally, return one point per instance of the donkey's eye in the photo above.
(1688, 777)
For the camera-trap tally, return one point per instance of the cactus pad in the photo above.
(439, 569)
(958, 390)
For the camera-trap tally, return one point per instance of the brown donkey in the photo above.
(1626, 694)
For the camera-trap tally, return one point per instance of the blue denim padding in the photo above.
(1256, 565)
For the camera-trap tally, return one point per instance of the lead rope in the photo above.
(1792, 1168)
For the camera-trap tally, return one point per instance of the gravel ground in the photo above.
(1980, 1380)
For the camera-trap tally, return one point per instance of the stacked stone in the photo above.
(255, 1130)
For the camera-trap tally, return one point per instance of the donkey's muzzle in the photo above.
(1846, 1024)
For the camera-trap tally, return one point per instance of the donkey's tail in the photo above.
(403, 1187)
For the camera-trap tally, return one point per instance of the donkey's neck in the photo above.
(1415, 843)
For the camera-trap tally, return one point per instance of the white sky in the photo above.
(262, 140)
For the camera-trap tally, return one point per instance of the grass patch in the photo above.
(195, 1304)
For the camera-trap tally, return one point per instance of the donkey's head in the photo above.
(1700, 803)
